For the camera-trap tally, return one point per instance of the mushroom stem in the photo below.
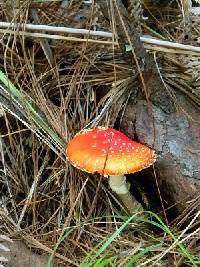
(119, 185)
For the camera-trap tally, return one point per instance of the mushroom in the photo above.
(110, 153)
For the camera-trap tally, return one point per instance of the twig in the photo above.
(152, 41)
(54, 29)
(149, 42)
(55, 37)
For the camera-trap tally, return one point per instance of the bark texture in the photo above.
(176, 138)
(164, 119)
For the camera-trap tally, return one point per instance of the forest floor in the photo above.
(56, 81)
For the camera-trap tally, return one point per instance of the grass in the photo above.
(48, 92)
(141, 254)
(25, 103)
(144, 254)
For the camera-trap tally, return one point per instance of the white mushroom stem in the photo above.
(119, 185)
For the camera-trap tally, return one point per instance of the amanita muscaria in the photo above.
(110, 153)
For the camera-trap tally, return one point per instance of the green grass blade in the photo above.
(177, 243)
(105, 261)
(104, 244)
(33, 114)
(50, 258)
(114, 236)
(140, 254)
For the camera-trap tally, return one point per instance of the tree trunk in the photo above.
(176, 138)
(164, 119)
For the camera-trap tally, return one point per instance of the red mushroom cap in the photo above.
(108, 152)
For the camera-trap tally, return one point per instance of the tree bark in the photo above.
(166, 120)
(176, 139)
